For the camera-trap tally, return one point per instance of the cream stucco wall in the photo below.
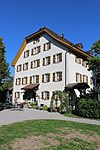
(71, 68)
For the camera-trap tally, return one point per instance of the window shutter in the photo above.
(60, 57)
(31, 64)
(50, 45)
(18, 95)
(47, 95)
(38, 63)
(42, 96)
(43, 78)
(30, 79)
(91, 80)
(60, 76)
(39, 49)
(49, 59)
(22, 81)
(81, 78)
(19, 81)
(53, 76)
(32, 51)
(87, 79)
(75, 58)
(16, 81)
(49, 77)
(54, 58)
(43, 61)
(15, 94)
(44, 47)
(26, 80)
(82, 62)
(24, 54)
(37, 79)
(17, 68)
(20, 67)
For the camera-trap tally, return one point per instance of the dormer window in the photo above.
(77, 60)
(36, 40)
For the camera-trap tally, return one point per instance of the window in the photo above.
(46, 77)
(47, 46)
(17, 94)
(84, 63)
(77, 60)
(45, 95)
(77, 77)
(19, 68)
(46, 61)
(35, 50)
(26, 53)
(34, 79)
(57, 58)
(36, 40)
(18, 81)
(81, 78)
(85, 79)
(91, 80)
(24, 80)
(25, 66)
(57, 76)
(35, 63)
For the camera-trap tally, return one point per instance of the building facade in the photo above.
(47, 62)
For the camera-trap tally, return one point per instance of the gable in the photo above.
(55, 36)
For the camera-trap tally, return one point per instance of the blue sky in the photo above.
(79, 20)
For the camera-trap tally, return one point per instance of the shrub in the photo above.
(45, 107)
(34, 106)
(1, 106)
(89, 108)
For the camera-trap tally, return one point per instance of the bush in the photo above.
(1, 106)
(34, 106)
(87, 107)
(45, 107)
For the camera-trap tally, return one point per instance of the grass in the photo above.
(71, 115)
(9, 133)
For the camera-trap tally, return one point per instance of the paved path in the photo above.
(10, 116)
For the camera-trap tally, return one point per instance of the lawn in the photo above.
(49, 135)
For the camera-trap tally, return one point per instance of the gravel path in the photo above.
(10, 116)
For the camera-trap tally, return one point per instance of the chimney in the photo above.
(62, 35)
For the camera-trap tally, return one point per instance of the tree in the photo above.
(94, 64)
(4, 67)
(60, 101)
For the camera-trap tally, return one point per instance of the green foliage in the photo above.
(4, 67)
(94, 63)
(89, 108)
(45, 107)
(59, 96)
(96, 47)
(1, 106)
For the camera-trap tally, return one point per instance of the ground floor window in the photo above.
(17, 94)
(45, 95)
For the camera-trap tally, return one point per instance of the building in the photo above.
(47, 62)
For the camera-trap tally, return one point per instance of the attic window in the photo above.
(36, 40)
(47, 46)
(26, 53)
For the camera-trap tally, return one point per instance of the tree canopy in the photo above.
(5, 78)
(94, 63)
